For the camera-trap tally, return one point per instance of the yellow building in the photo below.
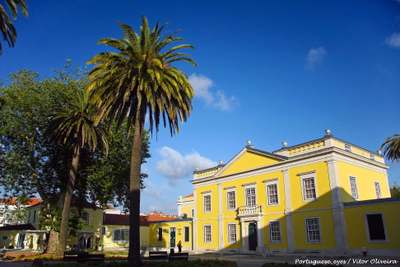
(307, 198)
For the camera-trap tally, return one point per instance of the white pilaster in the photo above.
(288, 212)
(195, 230)
(220, 218)
(339, 222)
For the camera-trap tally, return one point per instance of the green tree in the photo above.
(31, 163)
(391, 147)
(7, 28)
(138, 81)
(395, 190)
(74, 125)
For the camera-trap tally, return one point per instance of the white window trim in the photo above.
(158, 235)
(227, 200)
(184, 232)
(122, 241)
(303, 195)
(88, 222)
(204, 234)
(319, 229)
(251, 185)
(367, 228)
(228, 233)
(277, 192)
(105, 230)
(351, 193)
(380, 189)
(280, 232)
(204, 203)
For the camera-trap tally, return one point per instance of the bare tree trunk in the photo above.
(134, 194)
(67, 201)
(52, 243)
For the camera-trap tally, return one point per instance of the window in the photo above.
(207, 233)
(192, 213)
(231, 233)
(29, 217)
(186, 237)
(353, 187)
(272, 194)
(231, 200)
(309, 192)
(86, 217)
(250, 196)
(378, 190)
(207, 203)
(347, 147)
(159, 234)
(375, 227)
(121, 235)
(103, 230)
(4, 238)
(34, 216)
(274, 231)
(313, 231)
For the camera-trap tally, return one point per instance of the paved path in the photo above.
(258, 261)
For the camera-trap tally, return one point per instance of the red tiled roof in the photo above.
(13, 201)
(86, 205)
(18, 227)
(160, 216)
(122, 219)
(191, 195)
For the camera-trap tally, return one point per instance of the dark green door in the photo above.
(172, 237)
(252, 236)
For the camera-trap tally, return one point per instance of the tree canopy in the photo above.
(32, 164)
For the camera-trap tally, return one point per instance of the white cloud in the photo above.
(201, 86)
(315, 56)
(225, 103)
(175, 166)
(152, 190)
(394, 40)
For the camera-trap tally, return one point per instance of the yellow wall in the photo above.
(326, 230)
(214, 234)
(187, 207)
(214, 202)
(179, 234)
(249, 161)
(357, 229)
(108, 242)
(282, 219)
(324, 198)
(11, 241)
(365, 182)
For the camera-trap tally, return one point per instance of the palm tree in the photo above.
(6, 26)
(139, 81)
(392, 147)
(74, 125)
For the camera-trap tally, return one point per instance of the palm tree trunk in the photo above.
(134, 194)
(67, 200)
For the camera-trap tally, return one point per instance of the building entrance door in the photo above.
(172, 237)
(252, 236)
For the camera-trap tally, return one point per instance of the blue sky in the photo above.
(268, 71)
